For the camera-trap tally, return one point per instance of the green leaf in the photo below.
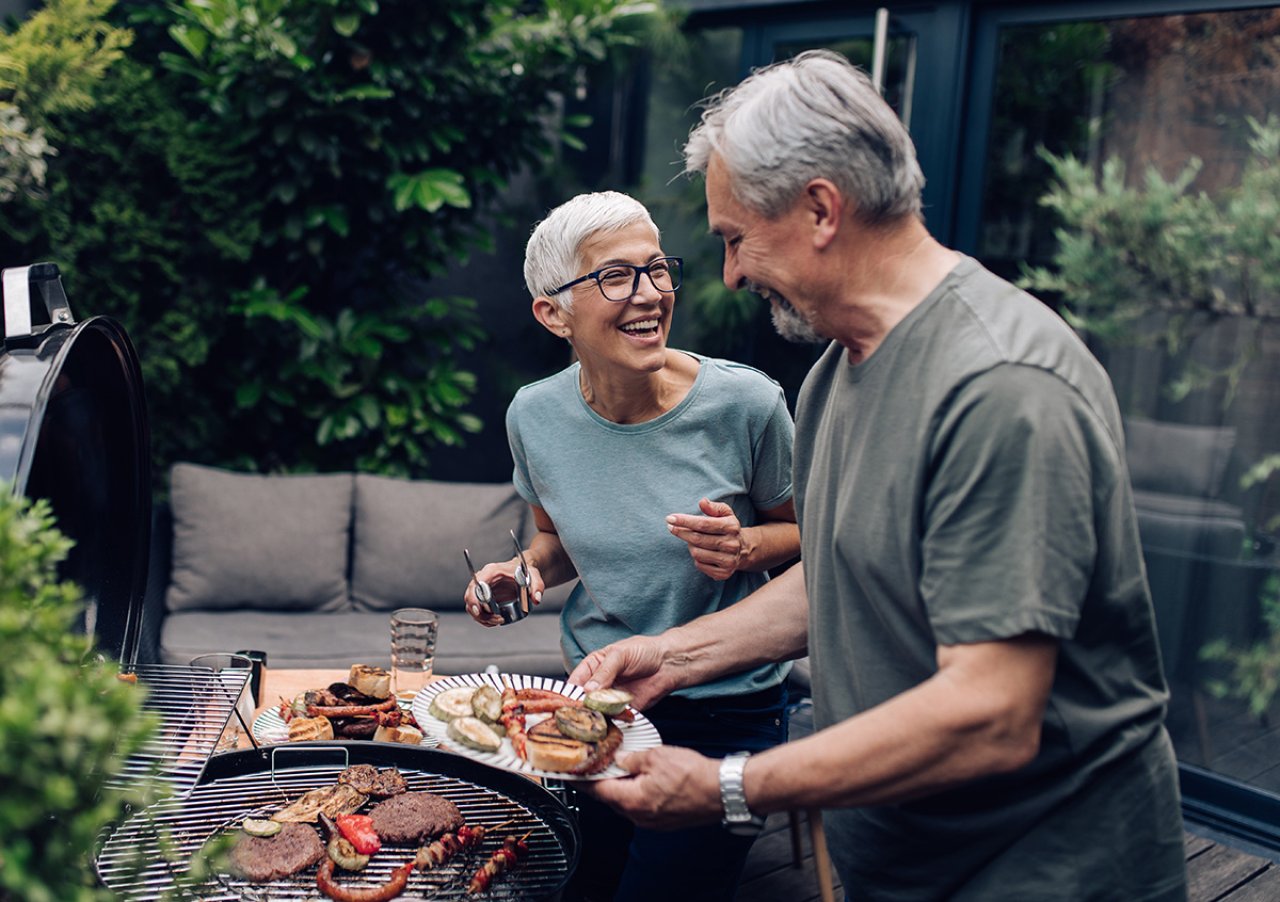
(193, 41)
(429, 190)
(346, 24)
(366, 92)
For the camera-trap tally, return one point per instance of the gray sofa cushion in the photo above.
(1178, 459)
(339, 639)
(240, 540)
(409, 536)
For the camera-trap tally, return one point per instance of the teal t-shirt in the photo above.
(609, 487)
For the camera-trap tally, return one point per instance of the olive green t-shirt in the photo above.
(966, 483)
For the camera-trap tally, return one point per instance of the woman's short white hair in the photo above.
(813, 116)
(551, 257)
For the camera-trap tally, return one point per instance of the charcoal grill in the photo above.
(256, 782)
(74, 432)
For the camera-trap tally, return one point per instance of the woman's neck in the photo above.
(630, 397)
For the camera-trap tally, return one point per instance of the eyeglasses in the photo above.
(620, 281)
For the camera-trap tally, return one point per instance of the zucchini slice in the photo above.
(486, 704)
(581, 724)
(608, 701)
(452, 703)
(474, 733)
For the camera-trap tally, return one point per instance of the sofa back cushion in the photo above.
(409, 536)
(1178, 459)
(274, 542)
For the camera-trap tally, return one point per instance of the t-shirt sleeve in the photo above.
(771, 458)
(1009, 539)
(520, 472)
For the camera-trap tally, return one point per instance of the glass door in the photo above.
(1123, 162)
(917, 54)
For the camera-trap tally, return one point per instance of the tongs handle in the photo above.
(483, 593)
(523, 580)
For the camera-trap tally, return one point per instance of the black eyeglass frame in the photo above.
(635, 281)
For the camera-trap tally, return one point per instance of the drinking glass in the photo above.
(413, 650)
(226, 688)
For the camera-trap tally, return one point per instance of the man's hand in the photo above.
(670, 787)
(716, 541)
(634, 664)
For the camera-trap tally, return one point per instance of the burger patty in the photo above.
(413, 817)
(369, 780)
(264, 858)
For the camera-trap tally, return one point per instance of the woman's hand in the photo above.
(501, 580)
(716, 541)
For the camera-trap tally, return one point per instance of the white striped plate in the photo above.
(636, 736)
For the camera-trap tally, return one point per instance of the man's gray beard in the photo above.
(790, 324)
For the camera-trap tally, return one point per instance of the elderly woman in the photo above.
(662, 480)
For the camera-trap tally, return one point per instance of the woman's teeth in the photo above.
(644, 325)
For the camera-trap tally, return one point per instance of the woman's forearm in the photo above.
(769, 544)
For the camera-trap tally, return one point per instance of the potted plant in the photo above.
(66, 721)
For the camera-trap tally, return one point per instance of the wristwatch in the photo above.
(738, 818)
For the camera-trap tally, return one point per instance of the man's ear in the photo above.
(547, 312)
(825, 206)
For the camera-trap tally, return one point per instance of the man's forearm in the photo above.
(771, 624)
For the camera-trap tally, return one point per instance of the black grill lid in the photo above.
(73, 430)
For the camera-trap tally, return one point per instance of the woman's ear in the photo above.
(553, 319)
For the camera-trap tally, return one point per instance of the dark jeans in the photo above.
(625, 863)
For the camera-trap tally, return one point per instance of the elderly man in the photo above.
(987, 684)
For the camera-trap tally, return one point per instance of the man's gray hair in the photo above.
(551, 257)
(813, 116)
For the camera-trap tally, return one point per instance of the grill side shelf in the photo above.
(195, 706)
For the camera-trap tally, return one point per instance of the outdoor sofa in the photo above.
(308, 569)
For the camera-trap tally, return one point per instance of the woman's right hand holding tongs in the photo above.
(501, 583)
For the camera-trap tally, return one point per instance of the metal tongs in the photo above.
(516, 608)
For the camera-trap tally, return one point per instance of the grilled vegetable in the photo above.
(474, 733)
(327, 800)
(581, 723)
(608, 701)
(345, 855)
(486, 704)
(260, 827)
(452, 703)
(358, 828)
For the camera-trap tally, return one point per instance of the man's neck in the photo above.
(890, 272)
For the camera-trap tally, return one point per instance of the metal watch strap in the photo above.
(737, 816)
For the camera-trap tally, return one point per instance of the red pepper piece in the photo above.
(358, 829)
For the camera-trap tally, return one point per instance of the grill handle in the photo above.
(19, 283)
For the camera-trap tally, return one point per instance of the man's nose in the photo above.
(733, 278)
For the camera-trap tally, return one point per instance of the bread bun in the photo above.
(374, 682)
(404, 734)
(546, 748)
(302, 729)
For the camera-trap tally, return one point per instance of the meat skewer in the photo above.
(499, 862)
(450, 844)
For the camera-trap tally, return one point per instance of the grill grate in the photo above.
(132, 864)
(195, 704)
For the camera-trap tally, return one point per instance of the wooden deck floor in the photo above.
(1216, 871)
